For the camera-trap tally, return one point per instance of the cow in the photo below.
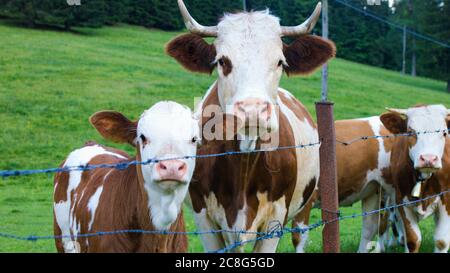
(253, 191)
(141, 197)
(360, 168)
(420, 168)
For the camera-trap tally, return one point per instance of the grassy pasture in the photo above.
(51, 82)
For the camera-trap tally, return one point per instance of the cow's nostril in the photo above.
(182, 167)
(162, 166)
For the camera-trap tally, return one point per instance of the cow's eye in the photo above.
(280, 63)
(221, 62)
(194, 140)
(143, 139)
(445, 133)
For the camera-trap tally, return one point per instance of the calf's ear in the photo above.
(114, 126)
(193, 53)
(394, 122)
(307, 53)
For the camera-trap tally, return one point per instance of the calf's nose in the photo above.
(173, 170)
(428, 161)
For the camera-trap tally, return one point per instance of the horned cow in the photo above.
(251, 192)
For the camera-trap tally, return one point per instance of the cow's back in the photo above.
(78, 194)
(363, 160)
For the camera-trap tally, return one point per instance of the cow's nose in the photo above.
(253, 109)
(171, 170)
(428, 161)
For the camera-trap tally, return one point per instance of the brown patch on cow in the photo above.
(298, 108)
(309, 190)
(394, 122)
(353, 164)
(303, 217)
(236, 180)
(114, 126)
(192, 52)
(226, 65)
(441, 244)
(123, 205)
(307, 53)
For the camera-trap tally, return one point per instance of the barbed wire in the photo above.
(394, 25)
(276, 231)
(126, 164)
(407, 134)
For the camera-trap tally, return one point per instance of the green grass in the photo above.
(51, 82)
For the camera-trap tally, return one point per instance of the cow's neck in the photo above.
(406, 176)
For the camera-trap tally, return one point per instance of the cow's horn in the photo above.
(398, 111)
(306, 27)
(193, 26)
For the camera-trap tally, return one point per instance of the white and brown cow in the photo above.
(420, 167)
(361, 168)
(142, 197)
(253, 191)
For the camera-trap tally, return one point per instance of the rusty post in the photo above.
(328, 177)
(328, 167)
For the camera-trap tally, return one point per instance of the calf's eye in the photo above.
(280, 63)
(143, 139)
(194, 140)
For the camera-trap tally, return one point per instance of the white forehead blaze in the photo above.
(169, 128)
(252, 42)
(427, 119)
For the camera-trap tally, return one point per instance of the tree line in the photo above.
(358, 37)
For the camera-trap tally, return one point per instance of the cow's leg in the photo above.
(413, 237)
(279, 216)
(370, 222)
(442, 232)
(210, 242)
(301, 220)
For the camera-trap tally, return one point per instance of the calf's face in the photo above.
(429, 125)
(165, 131)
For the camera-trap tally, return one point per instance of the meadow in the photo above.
(52, 81)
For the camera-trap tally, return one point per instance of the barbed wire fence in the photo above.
(276, 231)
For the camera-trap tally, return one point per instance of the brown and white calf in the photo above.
(360, 167)
(252, 191)
(420, 168)
(142, 197)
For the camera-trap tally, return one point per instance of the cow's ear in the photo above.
(193, 53)
(114, 126)
(394, 122)
(307, 53)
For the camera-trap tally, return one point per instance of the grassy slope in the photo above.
(51, 82)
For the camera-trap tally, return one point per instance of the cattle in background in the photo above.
(142, 197)
(360, 173)
(253, 191)
(420, 167)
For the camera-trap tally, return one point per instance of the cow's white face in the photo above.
(250, 57)
(250, 60)
(426, 150)
(429, 127)
(166, 131)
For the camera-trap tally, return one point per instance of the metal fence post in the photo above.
(328, 165)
